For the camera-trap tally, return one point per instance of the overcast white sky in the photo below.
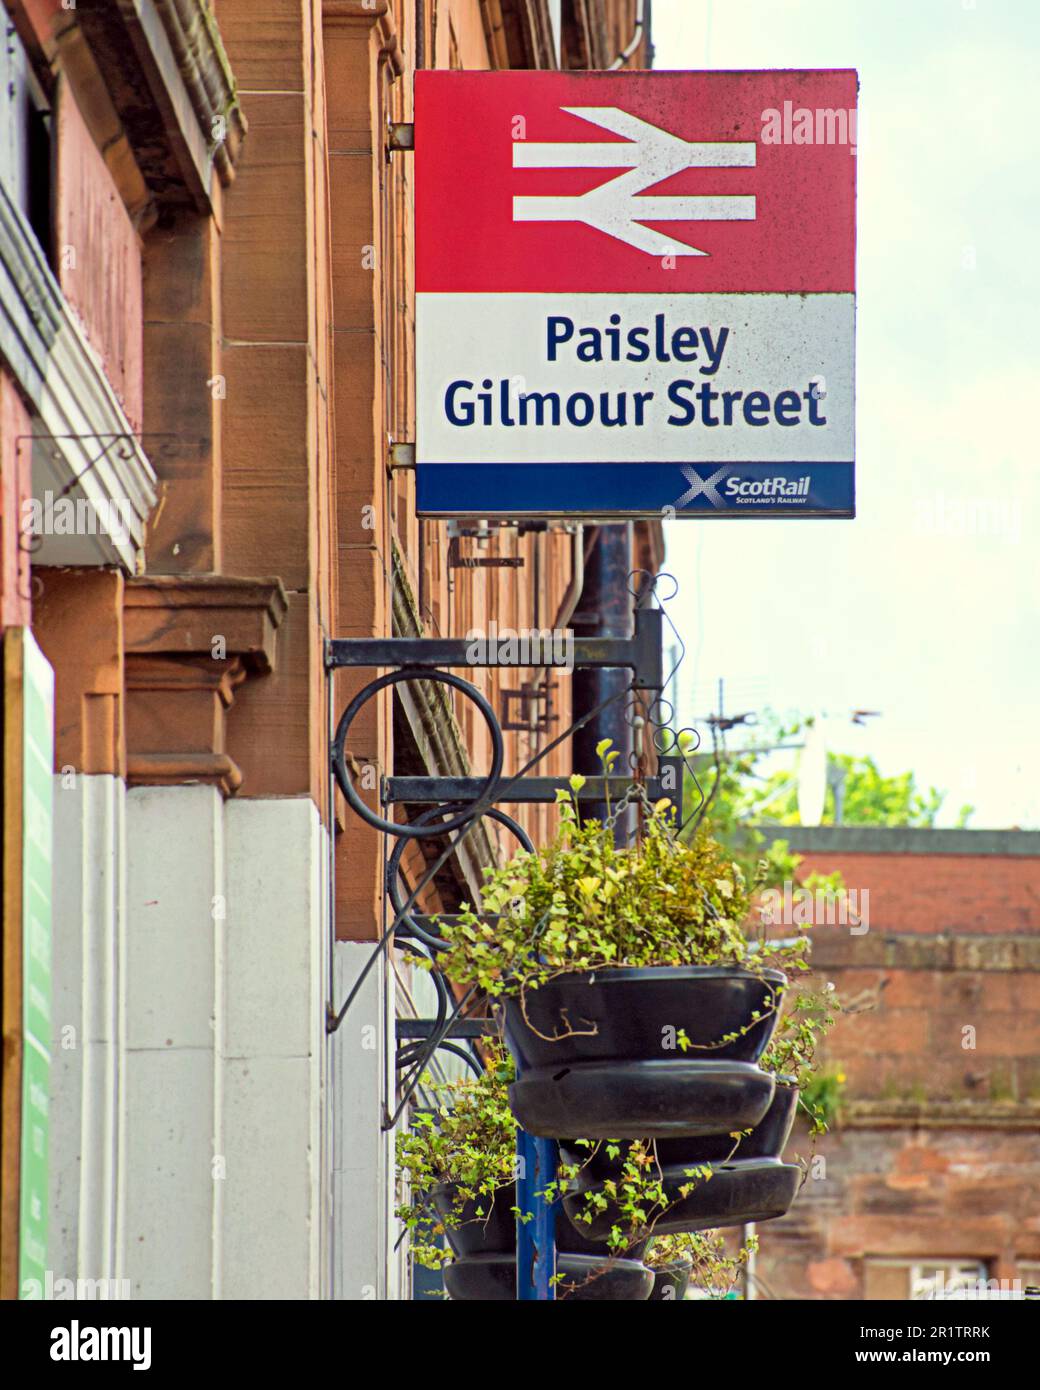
(926, 606)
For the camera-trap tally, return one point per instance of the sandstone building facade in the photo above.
(205, 360)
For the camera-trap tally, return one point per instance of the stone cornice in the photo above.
(181, 615)
(936, 1114)
(377, 13)
(834, 948)
(169, 78)
(190, 642)
(900, 839)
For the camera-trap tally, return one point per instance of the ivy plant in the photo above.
(466, 1139)
(634, 1193)
(582, 903)
(715, 1269)
(808, 1017)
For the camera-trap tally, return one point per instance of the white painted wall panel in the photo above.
(363, 1155)
(191, 1115)
(175, 872)
(88, 829)
(166, 1185)
(273, 1046)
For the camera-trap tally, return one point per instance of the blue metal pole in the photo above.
(535, 1237)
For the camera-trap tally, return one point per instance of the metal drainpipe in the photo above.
(420, 34)
(569, 602)
(604, 610)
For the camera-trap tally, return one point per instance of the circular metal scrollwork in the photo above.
(414, 830)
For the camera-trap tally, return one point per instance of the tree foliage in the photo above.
(741, 796)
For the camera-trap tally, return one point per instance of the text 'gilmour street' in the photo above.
(508, 401)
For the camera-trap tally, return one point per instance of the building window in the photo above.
(938, 1279)
(914, 1280)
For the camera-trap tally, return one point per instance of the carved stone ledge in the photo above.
(375, 13)
(190, 641)
(169, 79)
(941, 1114)
(995, 951)
(158, 770)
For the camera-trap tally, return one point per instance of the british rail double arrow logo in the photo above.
(618, 206)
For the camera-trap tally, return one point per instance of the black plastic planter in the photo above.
(484, 1268)
(766, 1140)
(745, 1190)
(749, 1182)
(492, 1278)
(602, 1100)
(598, 1052)
(671, 1282)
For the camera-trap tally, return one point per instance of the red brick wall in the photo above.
(942, 892)
(937, 1155)
(888, 1194)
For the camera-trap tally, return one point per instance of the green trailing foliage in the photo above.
(822, 1098)
(715, 1267)
(467, 1138)
(635, 1194)
(579, 904)
(809, 1014)
(582, 903)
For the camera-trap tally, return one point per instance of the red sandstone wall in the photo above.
(937, 1155)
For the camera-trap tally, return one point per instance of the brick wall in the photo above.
(937, 1154)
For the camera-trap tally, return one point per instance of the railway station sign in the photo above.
(635, 294)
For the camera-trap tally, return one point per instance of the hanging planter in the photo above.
(634, 1002)
(708, 1183)
(713, 1181)
(642, 1050)
(706, 1261)
(482, 1238)
(671, 1281)
(457, 1162)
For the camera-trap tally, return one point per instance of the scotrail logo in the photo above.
(738, 491)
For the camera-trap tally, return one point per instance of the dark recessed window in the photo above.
(26, 155)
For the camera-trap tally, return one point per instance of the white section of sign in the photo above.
(792, 355)
(651, 155)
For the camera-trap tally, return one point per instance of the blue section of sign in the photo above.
(660, 490)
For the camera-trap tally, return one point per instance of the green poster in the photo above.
(37, 842)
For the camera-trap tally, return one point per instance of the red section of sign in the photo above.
(802, 237)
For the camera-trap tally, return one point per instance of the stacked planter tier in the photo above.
(749, 1181)
(671, 1282)
(484, 1268)
(598, 1055)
